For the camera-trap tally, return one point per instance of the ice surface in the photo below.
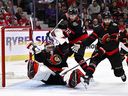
(104, 84)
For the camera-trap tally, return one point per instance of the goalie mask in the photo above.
(49, 46)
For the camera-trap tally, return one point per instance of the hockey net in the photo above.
(13, 53)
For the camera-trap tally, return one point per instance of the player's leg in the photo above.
(79, 57)
(40, 72)
(55, 80)
(116, 64)
(92, 66)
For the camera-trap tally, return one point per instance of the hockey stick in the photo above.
(62, 74)
(50, 32)
(56, 25)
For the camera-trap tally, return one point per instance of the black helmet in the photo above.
(72, 10)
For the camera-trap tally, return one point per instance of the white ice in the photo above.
(104, 84)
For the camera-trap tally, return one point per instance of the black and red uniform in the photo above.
(107, 47)
(75, 32)
(54, 62)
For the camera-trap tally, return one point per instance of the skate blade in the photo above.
(83, 83)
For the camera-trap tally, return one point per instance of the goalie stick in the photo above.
(50, 32)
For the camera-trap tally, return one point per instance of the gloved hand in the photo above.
(32, 47)
(75, 47)
(65, 70)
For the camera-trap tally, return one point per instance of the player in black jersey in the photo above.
(75, 32)
(107, 47)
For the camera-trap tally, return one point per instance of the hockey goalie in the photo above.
(49, 63)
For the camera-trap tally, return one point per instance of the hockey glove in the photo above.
(75, 48)
(33, 48)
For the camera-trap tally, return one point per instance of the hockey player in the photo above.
(75, 32)
(48, 65)
(107, 47)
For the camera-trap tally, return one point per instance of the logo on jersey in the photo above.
(55, 59)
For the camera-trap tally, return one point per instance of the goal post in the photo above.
(13, 42)
(13, 52)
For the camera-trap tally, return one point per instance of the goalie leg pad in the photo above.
(43, 73)
(32, 68)
(55, 80)
(75, 78)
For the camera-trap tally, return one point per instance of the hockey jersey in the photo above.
(56, 61)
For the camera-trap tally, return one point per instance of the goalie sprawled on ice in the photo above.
(48, 64)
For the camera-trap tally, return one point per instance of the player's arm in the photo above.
(86, 42)
(40, 57)
(64, 48)
(91, 38)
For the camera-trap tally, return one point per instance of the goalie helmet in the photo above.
(53, 58)
(49, 46)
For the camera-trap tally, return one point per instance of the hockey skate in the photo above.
(75, 78)
(85, 80)
(124, 78)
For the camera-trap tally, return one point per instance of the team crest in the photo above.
(55, 59)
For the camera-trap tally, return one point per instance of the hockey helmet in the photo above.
(49, 46)
(73, 12)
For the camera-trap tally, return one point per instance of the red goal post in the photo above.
(4, 41)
